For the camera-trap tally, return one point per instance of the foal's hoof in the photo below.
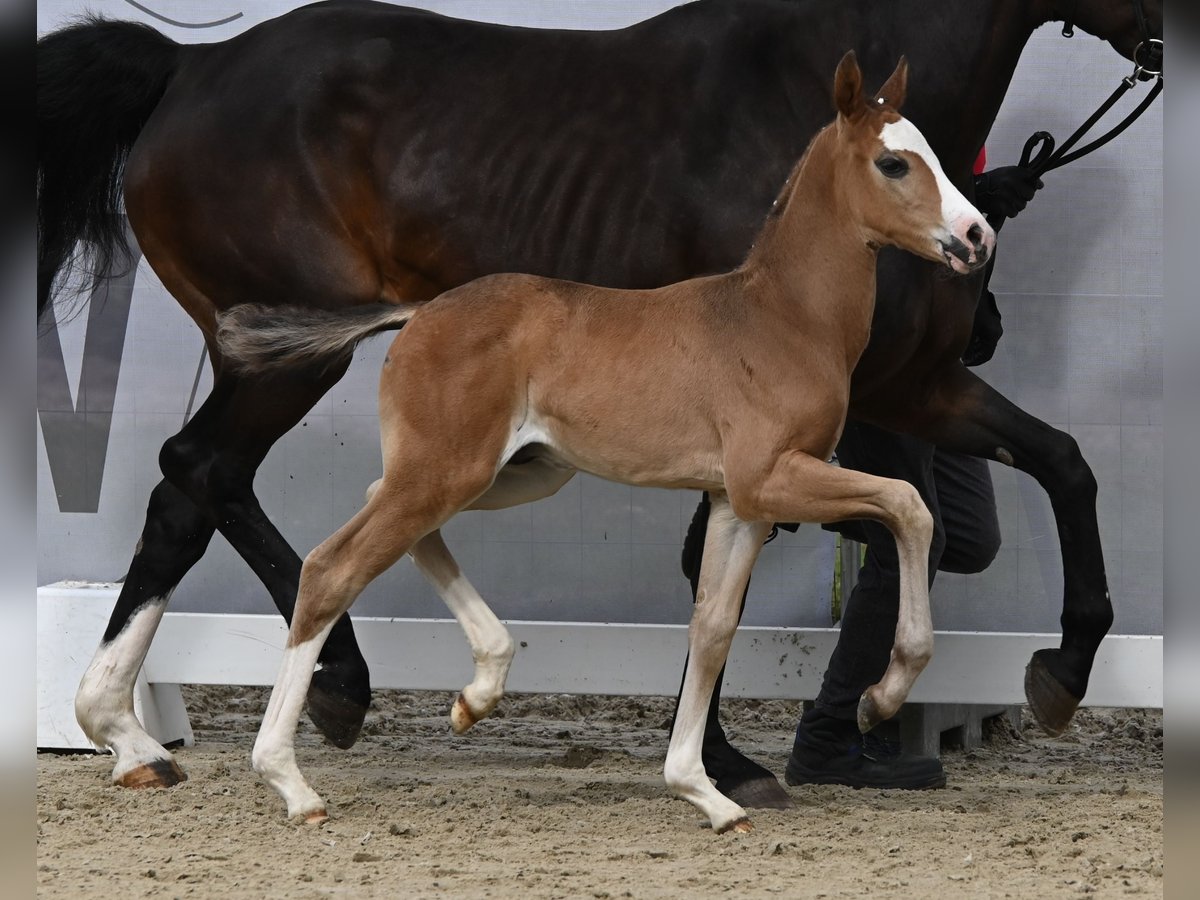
(1052, 704)
(161, 773)
(737, 826)
(763, 792)
(461, 717)
(869, 714)
(316, 817)
(337, 715)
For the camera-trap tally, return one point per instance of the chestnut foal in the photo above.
(737, 384)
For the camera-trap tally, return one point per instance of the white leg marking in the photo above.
(104, 700)
(274, 753)
(491, 645)
(730, 549)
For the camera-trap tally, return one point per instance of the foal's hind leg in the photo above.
(492, 647)
(334, 574)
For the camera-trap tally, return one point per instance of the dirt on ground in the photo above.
(562, 796)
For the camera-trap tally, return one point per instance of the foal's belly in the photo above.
(618, 449)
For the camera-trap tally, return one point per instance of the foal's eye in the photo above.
(892, 166)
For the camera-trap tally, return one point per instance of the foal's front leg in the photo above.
(800, 488)
(730, 549)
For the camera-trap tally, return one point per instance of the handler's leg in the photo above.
(967, 501)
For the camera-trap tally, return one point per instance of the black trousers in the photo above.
(958, 491)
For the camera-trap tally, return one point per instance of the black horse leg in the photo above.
(971, 417)
(737, 777)
(214, 460)
(175, 536)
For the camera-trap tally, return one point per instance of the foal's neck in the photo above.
(812, 257)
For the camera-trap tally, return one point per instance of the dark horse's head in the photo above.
(1133, 27)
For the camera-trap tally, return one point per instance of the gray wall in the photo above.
(1079, 281)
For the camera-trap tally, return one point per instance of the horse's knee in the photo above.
(911, 514)
(1073, 477)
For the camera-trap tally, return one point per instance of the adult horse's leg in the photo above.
(730, 549)
(174, 538)
(738, 777)
(215, 462)
(968, 415)
(214, 456)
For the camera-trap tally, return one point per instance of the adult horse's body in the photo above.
(355, 152)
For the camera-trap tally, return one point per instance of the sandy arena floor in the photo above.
(563, 797)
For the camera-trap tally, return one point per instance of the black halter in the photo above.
(1147, 62)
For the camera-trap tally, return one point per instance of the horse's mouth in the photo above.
(961, 258)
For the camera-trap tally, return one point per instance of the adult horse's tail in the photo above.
(98, 82)
(256, 338)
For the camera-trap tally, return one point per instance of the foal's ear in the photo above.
(893, 90)
(847, 86)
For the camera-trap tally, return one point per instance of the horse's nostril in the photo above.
(975, 236)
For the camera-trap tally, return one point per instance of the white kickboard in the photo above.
(71, 618)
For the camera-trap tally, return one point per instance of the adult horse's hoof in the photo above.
(161, 773)
(737, 826)
(337, 710)
(1052, 704)
(740, 778)
(761, 792)
(461, 716)
(316, 817)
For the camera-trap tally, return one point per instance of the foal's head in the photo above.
(891, 182)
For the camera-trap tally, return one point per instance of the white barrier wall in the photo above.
(1078, 280)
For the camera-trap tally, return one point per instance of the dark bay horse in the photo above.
(353, 152)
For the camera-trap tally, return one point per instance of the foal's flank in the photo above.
(736, 384)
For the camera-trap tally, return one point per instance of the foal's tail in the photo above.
(257, 338)
(98, 81)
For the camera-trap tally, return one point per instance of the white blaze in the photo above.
(903, 135)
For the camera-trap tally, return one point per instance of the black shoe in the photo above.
(831, 751)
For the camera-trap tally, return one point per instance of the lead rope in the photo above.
(1047, 157)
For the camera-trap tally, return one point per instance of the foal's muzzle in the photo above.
(969, 249)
